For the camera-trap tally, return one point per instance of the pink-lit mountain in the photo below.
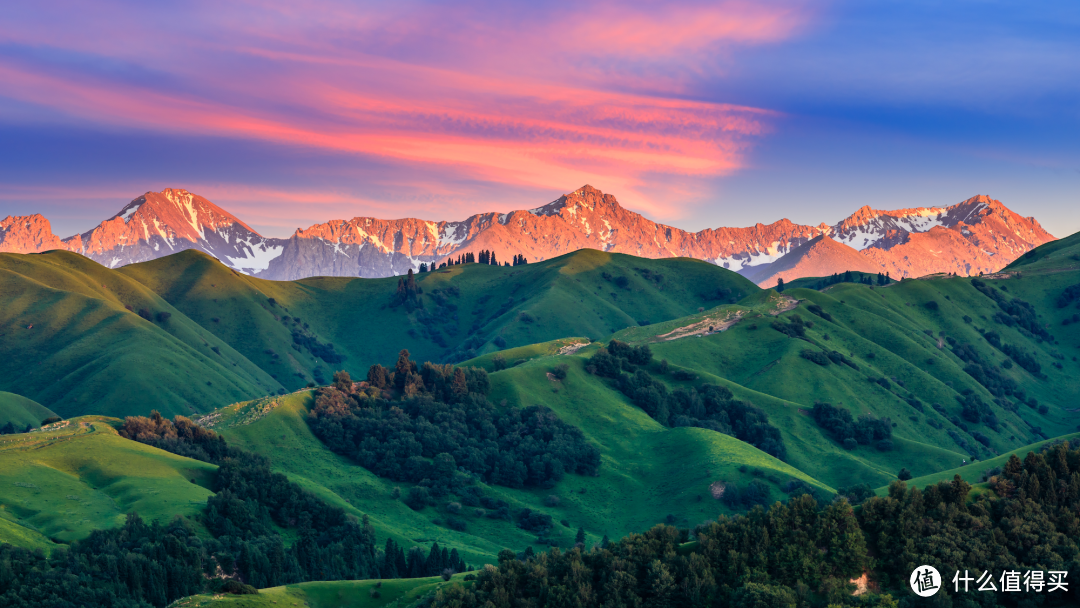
(976, 235)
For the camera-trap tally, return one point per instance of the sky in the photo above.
(696, 114)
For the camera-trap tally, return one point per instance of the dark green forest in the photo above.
(142, 565)
(804, 553)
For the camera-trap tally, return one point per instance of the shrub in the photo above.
(498, 362)
(932, 305)
(885, 445)
(850, 444)
(560, 371)
(417, 498)
(1043, 409)
(815, 356)
(235, 587)
(163, 316)
(552, 501)
(903, 475)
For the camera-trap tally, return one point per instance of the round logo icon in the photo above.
(925, 581)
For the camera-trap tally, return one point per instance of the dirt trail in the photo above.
(704, 327)
(570, 349)
(785, 304)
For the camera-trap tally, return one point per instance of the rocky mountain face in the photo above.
(160, 223)
(977, 235)
(27, 234)
(820, 256)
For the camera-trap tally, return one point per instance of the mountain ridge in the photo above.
(977, 235)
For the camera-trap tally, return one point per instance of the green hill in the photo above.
(338, 594)
(20, 411)
(973, 472)
(73, 340)
(76, 342)
(1060, 255)
(648, 472)
(73, 477)
(463, 310)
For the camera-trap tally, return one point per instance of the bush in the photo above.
(850, 444)
(163, 316)
(885, 445)
(552, 501)
(417, 498)
(560, 371)
(932, 305)
(1043, 409)
(237, 588)
(815, 356)
(903, 475)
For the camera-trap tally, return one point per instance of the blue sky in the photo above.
(695, 114)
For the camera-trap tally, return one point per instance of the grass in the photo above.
(338, 594)
(73, 477)
(21, 411)
(468, 310)
(69, 343)
(972, 472)
(648, 472)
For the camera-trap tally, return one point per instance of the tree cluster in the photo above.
(408, 293)
(139, 565)
(804, 554)
(706, 406)
(434, 426)
(1014, 311)
(842, 426)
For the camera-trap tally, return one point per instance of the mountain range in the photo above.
(978, 235)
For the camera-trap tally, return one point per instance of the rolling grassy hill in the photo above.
(466, 310)
(21, 411)
(76, 476)
(337, 594)
(648, 472)
(70, 343)
(74, 340)
(891, 333)
(905, 357)
(972, 473)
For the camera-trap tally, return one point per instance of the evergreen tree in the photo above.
(579, 538)
(423, 267)
(780, 285)
(493, 261)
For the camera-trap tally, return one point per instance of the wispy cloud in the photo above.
(527, 96)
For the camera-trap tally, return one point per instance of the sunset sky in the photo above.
(696, 114)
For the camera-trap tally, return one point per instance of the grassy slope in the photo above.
(648, 472)
(1054, 256)
(353, 313)
(882, 329)
(972, 473)
(22, 411)
(69, 343)
(73, 477)
(822, 282)
(338, 594)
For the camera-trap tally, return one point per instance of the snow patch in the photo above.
(257, 256)
(129, 211)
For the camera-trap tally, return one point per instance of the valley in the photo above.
(985, 371)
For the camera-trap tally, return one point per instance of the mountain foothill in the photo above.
(978, 235)
(219, 418)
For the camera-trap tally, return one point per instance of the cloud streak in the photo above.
(548, 97)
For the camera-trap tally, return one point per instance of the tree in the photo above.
(423, 267)
(342, 381)
(780, 285)
(579, 538)
(903, 475)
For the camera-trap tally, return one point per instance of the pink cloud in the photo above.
(446, 91)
